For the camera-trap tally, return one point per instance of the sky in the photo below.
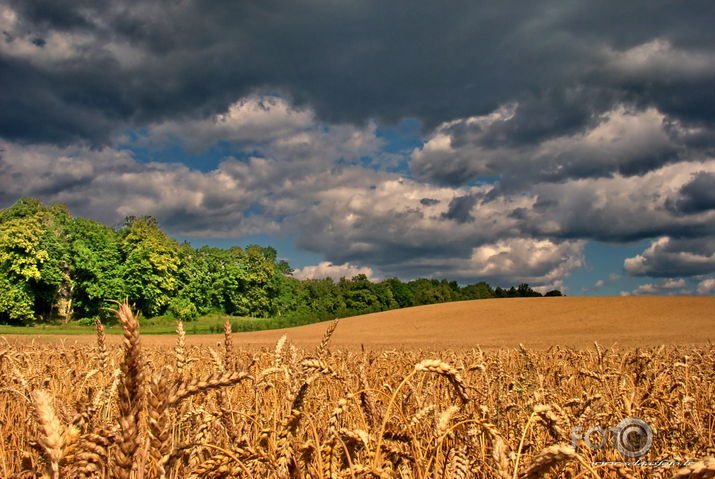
(564, 144)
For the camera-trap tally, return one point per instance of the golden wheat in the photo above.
(189, 412)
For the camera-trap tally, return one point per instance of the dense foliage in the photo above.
(56, 267)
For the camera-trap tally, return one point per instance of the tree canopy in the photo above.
(54, 267)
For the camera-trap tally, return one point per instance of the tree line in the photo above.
(54, 267)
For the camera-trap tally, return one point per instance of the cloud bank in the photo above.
(540, 128)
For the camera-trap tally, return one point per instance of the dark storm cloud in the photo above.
(612, 209)
(460, 209)
(61, 14)
(668, 257)
(58, 107)
(544, 124)
(698, 195)
(144, 62)
(623, 141)
(383, 240)
(549, 112)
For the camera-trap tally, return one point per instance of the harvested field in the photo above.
(535, 322)
(493, 323)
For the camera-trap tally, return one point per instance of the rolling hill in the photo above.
(535, 322)
(539, 322)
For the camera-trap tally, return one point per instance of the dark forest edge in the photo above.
(57, 269)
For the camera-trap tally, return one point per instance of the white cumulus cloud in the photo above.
(706, 287)
(326, 269)
(667, 286)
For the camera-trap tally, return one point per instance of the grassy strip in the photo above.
(211, 324)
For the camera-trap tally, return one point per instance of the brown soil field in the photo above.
(534, 322)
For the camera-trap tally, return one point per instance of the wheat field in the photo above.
(108, 410)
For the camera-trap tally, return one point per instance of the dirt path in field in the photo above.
(534, 322)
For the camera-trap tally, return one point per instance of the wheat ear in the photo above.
(159, 426)
(443, 369)
(501, 459)
(102, 353)
(227, 345)
(458, 464)
(50, 435)
(323, 346)
(548, 459)
(212, 381)
(180, 348)
(278, 352)
(700, 470)
(131, 393)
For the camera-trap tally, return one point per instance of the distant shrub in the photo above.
(87, 321)
(183, 309)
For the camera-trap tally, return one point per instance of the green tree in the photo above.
(525, 291)
(288, 294)
(248, 281)
(52, 265)
(201, 277)
(481, 290)
(385, 296)
(401, 293)
(34, 261)
(428, 291)
(16, 301)
(360, 295)
(322, 298)
(150, 264)
(183, 309)
(96, 267)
